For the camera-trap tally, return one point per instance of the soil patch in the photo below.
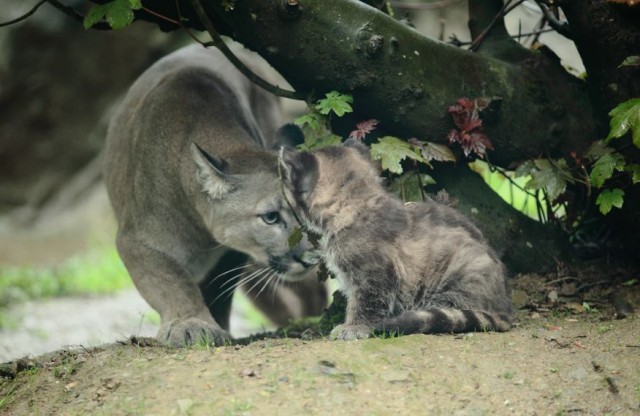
(545, 366)
(575, 350)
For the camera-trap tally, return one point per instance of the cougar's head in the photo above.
(244, 209)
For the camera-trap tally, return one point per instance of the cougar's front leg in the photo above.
(169, 289)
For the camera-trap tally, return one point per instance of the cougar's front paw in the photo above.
(350, 332)
(185, 332)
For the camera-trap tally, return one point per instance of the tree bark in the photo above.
(406, 80)
(523, 244)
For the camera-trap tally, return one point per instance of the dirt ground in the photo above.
(575, 350)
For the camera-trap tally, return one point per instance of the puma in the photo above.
(191, 172)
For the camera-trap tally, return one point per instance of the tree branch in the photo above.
(69, 11)
(24, 16)
(406, 80)
(553, 21)
(219, 43)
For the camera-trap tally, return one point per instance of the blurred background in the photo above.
(61, 281)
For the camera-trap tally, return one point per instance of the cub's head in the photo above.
(328, 182)
(244, 209)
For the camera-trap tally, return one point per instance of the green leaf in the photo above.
(118, 13)
(604, 167)
(391, 151)
(632, 60)
(320, 142)
(609, 198)
(433, 151)
(408, 186)
(625, 117)
(549, 177)
(312, 119)
(335, 102)
(525, 168)
(94, 15)
(597, 150)
(634, 171)
(295, 237)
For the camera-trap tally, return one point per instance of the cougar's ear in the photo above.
(288, 135)
(288, 161)
(211, 174)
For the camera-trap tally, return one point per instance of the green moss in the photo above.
(98, 271)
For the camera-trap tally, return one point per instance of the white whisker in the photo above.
(259, 280)
(268, 282)
(233, 278)
(245, 279)
(244, 266)
(274, 289)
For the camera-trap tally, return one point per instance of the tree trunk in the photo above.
(406, 80)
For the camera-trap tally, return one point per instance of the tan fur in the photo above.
(190, 175)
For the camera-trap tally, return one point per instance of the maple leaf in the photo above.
(625, 117)
(469, 135)
(634, 171)
(610, 198)
(462, 112)
(474, 141)
(604, 167)
(432, 151)
(335, 102)
(363, 128)
(409, 186)
(597, 149)
(391, 151)
(552, 177)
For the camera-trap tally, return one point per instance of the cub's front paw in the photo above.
(185, 332)
(350, 332)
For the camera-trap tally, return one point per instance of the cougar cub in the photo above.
(405, 268)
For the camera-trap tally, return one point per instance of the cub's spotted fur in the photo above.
(405, 268)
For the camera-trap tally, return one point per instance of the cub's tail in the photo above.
(444, 320)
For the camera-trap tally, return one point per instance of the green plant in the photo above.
(117, 13)
(315, 124)
(625, 118)
(98, 271)
(508, 375)
(7, 397)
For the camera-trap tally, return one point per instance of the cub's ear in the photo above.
(211, 174)
(288, 135)
(364, 151)
(299, 169)
(360, 147)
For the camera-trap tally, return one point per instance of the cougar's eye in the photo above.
(270, 217)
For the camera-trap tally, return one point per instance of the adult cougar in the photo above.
(190, 176)
(405, 268)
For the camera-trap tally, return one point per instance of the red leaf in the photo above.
(471, 124)
(363, 128)
(469, 135)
